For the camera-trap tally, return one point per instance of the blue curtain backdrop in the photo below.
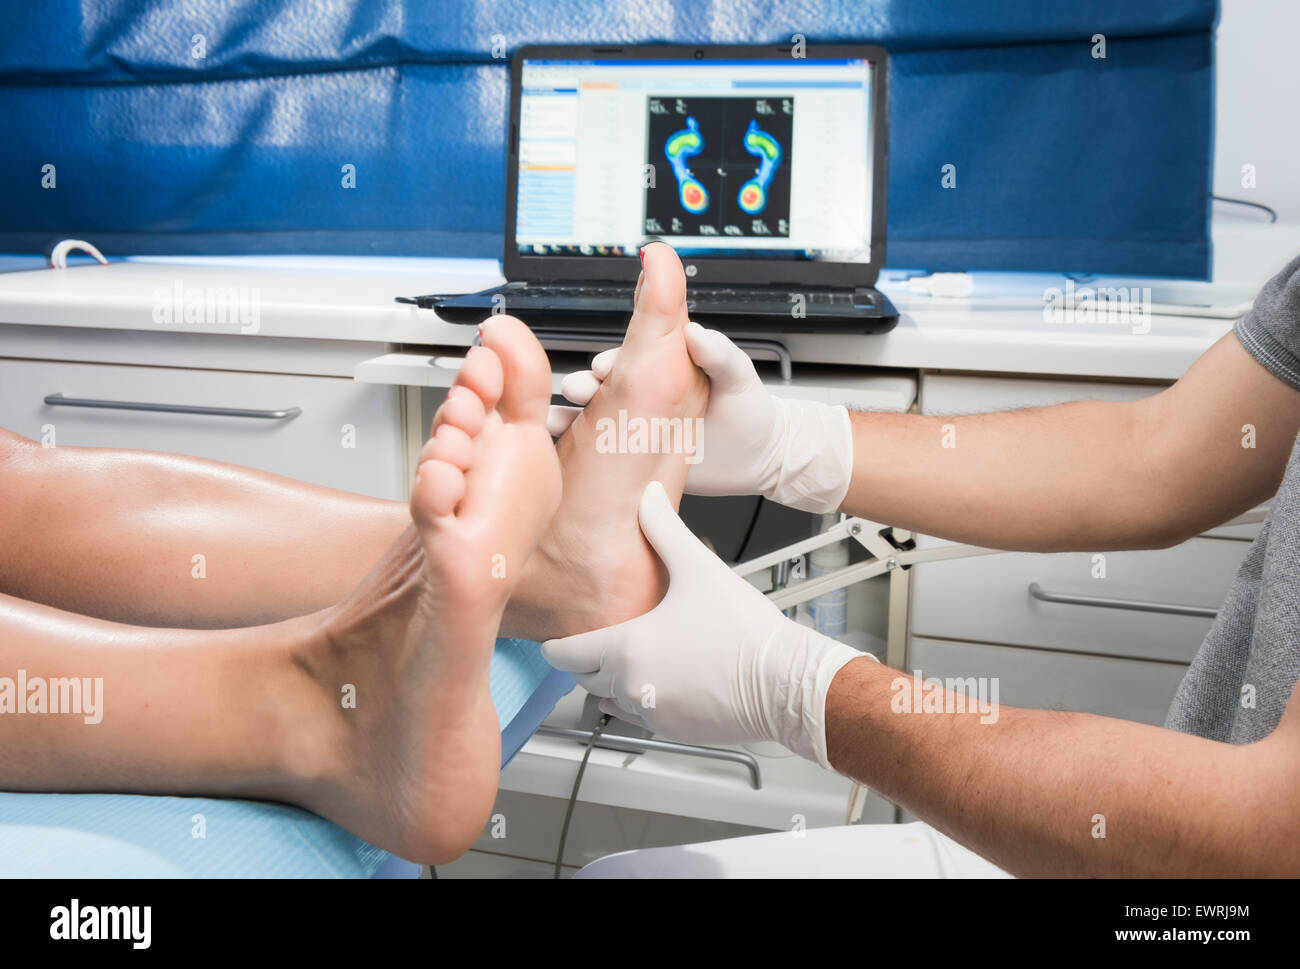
(1063, 161)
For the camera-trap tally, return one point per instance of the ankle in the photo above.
(308, 734)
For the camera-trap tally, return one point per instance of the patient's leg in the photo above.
(375, 713)
(611, 572)
(114, 533)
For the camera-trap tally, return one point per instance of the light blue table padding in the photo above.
(127, 835)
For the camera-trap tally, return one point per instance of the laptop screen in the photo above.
(729, 158)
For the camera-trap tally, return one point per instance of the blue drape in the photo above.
(1063, 161)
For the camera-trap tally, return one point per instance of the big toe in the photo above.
(660, 295)
(526, 388)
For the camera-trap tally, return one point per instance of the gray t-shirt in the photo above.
(1242, 677)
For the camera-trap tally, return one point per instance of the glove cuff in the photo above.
(802, 714)
(835, 657)
(815, 458)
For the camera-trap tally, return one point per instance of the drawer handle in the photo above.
(636, 744)
(287, 413)
(1136, 605)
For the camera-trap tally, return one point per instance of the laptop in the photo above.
(765, 167)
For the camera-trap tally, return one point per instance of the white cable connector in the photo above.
(945, 285)
(58, 258)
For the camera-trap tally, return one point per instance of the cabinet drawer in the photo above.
(946, 395)
(989, 599)
(528, 826)
(1041, 679)
(333, 432)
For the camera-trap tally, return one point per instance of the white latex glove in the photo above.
(715, 661)
(798, 453)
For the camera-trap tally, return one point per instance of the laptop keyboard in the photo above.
(694, 295)
(604, 292)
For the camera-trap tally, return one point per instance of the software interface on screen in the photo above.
(736, 157)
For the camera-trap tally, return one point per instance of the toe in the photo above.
(482, 373)
(439, 488)
(526, 394)
(450, 444)
(660, 296)
(463, 409)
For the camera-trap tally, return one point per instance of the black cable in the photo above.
(577, 783)
(749, 531)
(1272, 213)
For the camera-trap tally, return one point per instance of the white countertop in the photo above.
(1000, 328)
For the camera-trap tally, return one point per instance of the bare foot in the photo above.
(595, 542)
(413, 765)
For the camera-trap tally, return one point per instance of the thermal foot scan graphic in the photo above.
(682, 146)
(721, 166)
(753, 194)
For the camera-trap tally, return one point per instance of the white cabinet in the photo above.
(1062, 602)
(1048, 680)
(329, 431)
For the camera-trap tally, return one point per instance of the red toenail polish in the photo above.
(641, 253)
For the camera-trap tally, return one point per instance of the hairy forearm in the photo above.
(1086, 476)
(1066, 477)
(1045, 792)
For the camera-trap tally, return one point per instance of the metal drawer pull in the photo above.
(615, 742)
(287, 413)
(775, 347)
(1136, 605)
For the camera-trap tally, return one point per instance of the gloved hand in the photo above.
(715, 661)
(796, 452)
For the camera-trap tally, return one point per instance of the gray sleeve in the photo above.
(1271, 330)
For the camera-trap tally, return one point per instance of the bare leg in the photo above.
(183, 711)
(113, 534)
(267, 711)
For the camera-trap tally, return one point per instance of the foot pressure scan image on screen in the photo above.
(730, 160)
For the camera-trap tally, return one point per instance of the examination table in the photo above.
(130, 835)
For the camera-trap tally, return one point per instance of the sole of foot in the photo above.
(411, 763)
